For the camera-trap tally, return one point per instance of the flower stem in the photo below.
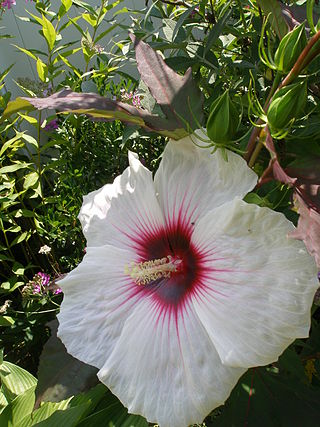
(306, 56)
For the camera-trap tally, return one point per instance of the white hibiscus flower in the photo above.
(183, 286)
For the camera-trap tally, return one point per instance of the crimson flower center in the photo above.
(170, 267)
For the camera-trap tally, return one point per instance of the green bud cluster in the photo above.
(223, 121)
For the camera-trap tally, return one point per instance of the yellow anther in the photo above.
(148, 271)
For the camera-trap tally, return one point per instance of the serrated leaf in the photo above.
(270, 399)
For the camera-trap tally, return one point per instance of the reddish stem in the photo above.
(304, 59)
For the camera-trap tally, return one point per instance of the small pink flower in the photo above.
(8, 3)
(45, 278)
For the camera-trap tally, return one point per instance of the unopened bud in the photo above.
(290, 48)
(223, 121)
(286, 105)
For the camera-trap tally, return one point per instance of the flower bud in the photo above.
(286, 105)
(223, 121)
(290, 48)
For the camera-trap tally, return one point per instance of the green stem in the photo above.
(95, 31)
(243, 18)
(253, 150)
(36, 312)
(39, 154)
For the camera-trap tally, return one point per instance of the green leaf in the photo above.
(15, 380)
(90, 19)
(185, 15)
(104, 33)
(115, 415)
(277, 19)
(9, 144)
(14, 106)
(17, 409)
(18, 269)
(65, 6)
(69, 417)
(267, 397)
(30, 180)
(42, 70)
(23, 236)
(26, 51)
(4, 73)
(6, 321)
(216, 31)
(49, 32)
(15, 167)
(44, 412)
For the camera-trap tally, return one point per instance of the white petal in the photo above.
(98, 297)
(166, 368)
(191, 181)
(259, 286)
(120, 213)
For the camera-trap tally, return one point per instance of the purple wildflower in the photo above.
(36, 289)
(39, 282)
(45, 278)
(131, 98)
(8, 3)
(51, 126)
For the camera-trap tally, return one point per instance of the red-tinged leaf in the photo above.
(277, 19)
(295, 15)
(308, 229)
(101, 108)
(307, 174)
(304, 176)
(178, 96)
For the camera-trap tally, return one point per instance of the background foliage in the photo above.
(47, 163)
